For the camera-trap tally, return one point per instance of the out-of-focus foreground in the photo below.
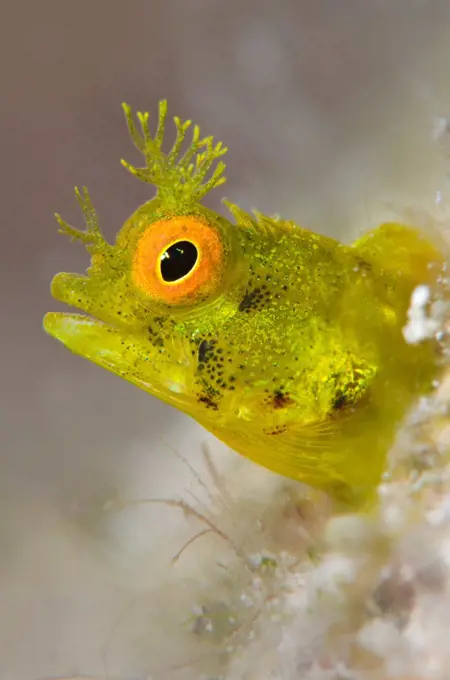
(331, 112)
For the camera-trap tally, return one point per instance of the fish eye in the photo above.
(179, 260)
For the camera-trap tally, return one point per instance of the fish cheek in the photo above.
(214, 375)
(255, 299)
(158, 331)
(222, 359)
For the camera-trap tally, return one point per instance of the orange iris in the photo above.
(154, 245)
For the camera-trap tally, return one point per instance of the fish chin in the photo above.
(125, 352)
(91, 338)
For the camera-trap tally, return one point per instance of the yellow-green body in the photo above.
(295, 356)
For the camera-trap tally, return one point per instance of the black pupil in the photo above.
(178, 260)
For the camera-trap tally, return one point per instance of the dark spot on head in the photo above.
(155, 331)
(155, 336)
(340, 401)
(253, 300)
(279, 429)
(281, 399)
(350, 389)
(205, 350)
(209, 403)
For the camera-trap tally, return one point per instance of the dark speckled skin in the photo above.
(295, 358)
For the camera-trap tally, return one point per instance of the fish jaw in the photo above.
(127, 355)
(89, 338)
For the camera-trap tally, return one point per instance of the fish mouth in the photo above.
(123, 351)
(99, 341)
(107, 346)
(123, 354)
(88, 337)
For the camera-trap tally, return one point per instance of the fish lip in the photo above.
(79, 330)
(52, 319)
(90, 338)
(74, 291)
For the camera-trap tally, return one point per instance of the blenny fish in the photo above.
(286, 344)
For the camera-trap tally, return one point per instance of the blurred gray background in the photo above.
(327, 108)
